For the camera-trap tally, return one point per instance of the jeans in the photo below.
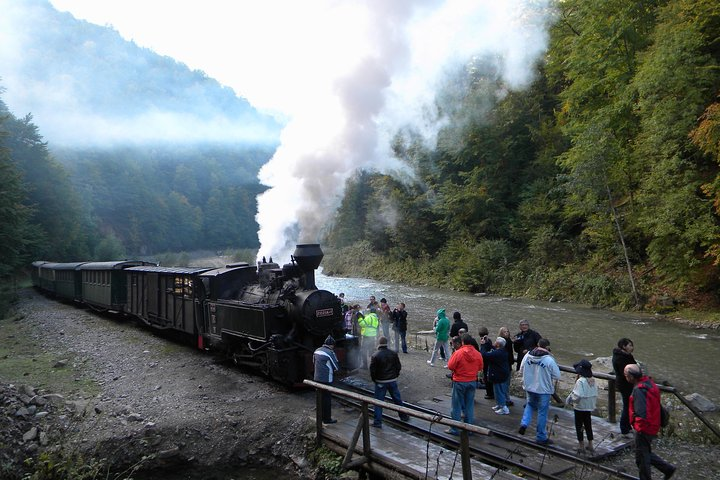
(436, 349)
(501, 393)
(540, 403)
(398, 337)
(644, 457)
(380, 390)
(463, 400)
(385, 325)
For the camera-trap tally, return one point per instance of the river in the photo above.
(672, 352)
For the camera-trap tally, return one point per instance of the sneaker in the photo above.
(450, 431)
(377, 425)
(503, 411)
(328, 422)
(404, 417)
(509, 403)
(430, 363)
(544, 442)
(670, 473)
(445, 366)
(489, 397)
(522, 429)
(497, 407)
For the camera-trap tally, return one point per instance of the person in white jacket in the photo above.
(583, 398)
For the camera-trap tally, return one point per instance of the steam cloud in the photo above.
(411, 45)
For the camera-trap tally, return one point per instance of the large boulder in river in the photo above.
(701, 403)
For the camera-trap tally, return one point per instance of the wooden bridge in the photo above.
(420, 448)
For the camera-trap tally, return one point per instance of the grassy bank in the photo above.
(485, 268)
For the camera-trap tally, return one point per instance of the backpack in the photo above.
(664, 416)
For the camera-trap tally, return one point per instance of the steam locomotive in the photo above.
(267, 317)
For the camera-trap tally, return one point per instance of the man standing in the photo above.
(457, 325)
(539, 372)
(326, 364)
(384, 371)
(400, 327)
(645, 419)
(465, 364)
(369, 324)
(442, 331)
(525, 341)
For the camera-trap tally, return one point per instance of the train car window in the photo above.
(178, 285)
(187, 287)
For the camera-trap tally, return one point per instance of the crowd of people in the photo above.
(488, 364)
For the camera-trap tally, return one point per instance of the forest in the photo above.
(598, 184)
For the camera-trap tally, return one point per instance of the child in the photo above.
(583, 398)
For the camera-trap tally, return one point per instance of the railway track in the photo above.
(502, 450)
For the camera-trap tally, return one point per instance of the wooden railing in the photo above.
(363, 426)
(612, 390)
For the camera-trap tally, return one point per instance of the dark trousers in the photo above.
(644, 457)
(326, 401)
(583, 420)
(625, 414)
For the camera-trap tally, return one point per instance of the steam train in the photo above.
(268, 317)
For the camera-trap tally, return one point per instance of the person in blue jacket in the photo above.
(326, 364)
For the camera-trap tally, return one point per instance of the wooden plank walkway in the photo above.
(397, 450)
(561, 424)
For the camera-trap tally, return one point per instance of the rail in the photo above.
(363, 426)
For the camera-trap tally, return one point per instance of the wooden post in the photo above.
(366, 430)
(318, 417)
(465, 454)
(611, 401)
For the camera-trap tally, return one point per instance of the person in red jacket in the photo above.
(465, 364)
(644, 412)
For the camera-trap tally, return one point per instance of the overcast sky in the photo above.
(346, 73)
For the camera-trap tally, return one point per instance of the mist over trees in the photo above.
(599, 180)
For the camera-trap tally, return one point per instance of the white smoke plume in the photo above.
(409, 46)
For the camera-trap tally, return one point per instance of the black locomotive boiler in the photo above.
(267, 317)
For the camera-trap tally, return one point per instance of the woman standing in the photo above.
(505, 333)
(621, 357)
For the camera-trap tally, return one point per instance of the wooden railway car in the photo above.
(104, 284)
(68, 280)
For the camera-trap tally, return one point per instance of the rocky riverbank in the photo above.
(93, 394)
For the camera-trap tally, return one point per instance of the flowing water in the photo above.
(671, 352)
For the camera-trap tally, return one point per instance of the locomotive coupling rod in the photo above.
(391, 406)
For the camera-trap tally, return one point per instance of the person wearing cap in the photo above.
(645, 420)
(384, 371)
(583, 398)
(539, 372)
(325, 365)
(524, 341)
(498, 372)
(369, 324)
(442, 334)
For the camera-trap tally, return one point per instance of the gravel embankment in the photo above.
(136, 399)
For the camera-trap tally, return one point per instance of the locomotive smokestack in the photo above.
(308, 257)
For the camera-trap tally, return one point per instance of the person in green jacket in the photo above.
(368, 331)
(442, 333)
